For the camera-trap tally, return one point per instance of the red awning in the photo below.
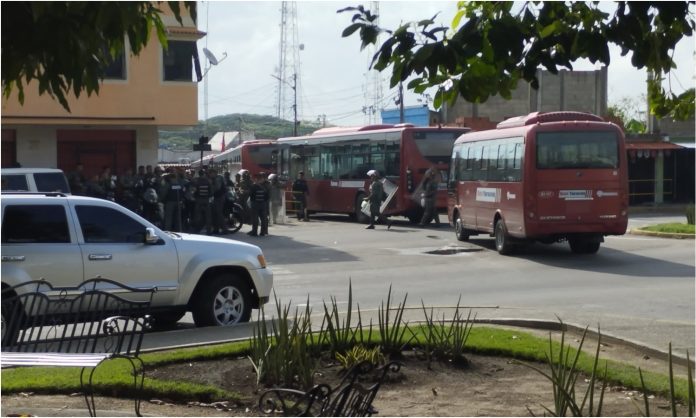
(652, 145)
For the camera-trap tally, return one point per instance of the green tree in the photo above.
(628, 111)
(493, 45)
(66, 46)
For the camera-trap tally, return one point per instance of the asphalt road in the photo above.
(636, 287)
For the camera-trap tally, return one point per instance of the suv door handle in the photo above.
(13, 258)
(98, 257)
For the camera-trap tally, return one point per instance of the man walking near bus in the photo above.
(375, 199)
(300, 192)
(429, 198)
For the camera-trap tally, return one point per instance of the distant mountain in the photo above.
(264, 127)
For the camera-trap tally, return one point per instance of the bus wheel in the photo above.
(415, 215)
(502, 240)
(581, 246)
(359, 216)
(459, 230)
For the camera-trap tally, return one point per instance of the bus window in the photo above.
(595, 149)
(436, 147)
(343, 162)
(328, 166)
(392, 159)
(377, 157)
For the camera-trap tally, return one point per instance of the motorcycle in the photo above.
(233, 212)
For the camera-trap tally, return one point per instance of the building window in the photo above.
(117, 68)
(178, 61)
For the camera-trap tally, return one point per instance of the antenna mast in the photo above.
(288, 70)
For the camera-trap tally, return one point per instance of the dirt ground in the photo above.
(490, 386)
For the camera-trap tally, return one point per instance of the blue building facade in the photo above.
(416, 115)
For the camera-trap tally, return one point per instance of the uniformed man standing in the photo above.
(300, 192)
(219, 190)
(259, 206)
(203, 196)
(429, 196)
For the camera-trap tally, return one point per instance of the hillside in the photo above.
(264, 127)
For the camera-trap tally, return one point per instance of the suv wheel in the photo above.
(224, 300)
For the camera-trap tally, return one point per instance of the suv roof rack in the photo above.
(27, 193)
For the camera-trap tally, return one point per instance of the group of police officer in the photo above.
(181, 200)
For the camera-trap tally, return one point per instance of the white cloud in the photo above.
(332, 74)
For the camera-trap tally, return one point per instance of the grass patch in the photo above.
(672, 228)
(113, 378)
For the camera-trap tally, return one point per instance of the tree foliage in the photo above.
(65, 46)
(493, 45)
(630, 113)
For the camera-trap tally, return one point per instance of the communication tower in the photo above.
(288, 70)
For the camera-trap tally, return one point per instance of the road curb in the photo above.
(577, 329)
(661, 234)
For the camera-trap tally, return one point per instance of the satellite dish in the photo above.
(210, 56)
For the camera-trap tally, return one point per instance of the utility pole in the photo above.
(401, 102)
(294, 104)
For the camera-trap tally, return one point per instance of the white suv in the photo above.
(34, 180)
(67, 239)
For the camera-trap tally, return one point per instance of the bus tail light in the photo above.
(530, 205)
(409, 180)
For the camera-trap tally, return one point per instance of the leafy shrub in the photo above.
(358, 354)
(446, 340)
(284, 356)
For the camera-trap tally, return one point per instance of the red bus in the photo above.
(336, 160)
(254, 155)
(547, 177)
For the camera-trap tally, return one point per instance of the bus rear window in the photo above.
(262, 156)
(435, 146)
(589, 149)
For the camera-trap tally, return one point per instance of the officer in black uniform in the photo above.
(300, 192)
(259, 197)
(203, 195)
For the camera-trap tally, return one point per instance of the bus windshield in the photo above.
(262, 155)
(435, 146)
(571, 150)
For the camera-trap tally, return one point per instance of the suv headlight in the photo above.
(262, 260)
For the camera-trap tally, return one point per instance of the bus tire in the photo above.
(358, 214)
(415, 215)
(581, 246)
(503, 243)
(459, 231)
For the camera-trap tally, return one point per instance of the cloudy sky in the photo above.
(333, 71)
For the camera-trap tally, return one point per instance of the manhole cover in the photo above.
(453, 250)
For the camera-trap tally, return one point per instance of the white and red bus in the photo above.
(254, 155)
(336, 161)
(546, 177)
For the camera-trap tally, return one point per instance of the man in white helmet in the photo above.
(375, 199)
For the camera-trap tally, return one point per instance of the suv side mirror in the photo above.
(150, 236)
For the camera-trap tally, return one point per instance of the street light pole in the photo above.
(294, 105)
